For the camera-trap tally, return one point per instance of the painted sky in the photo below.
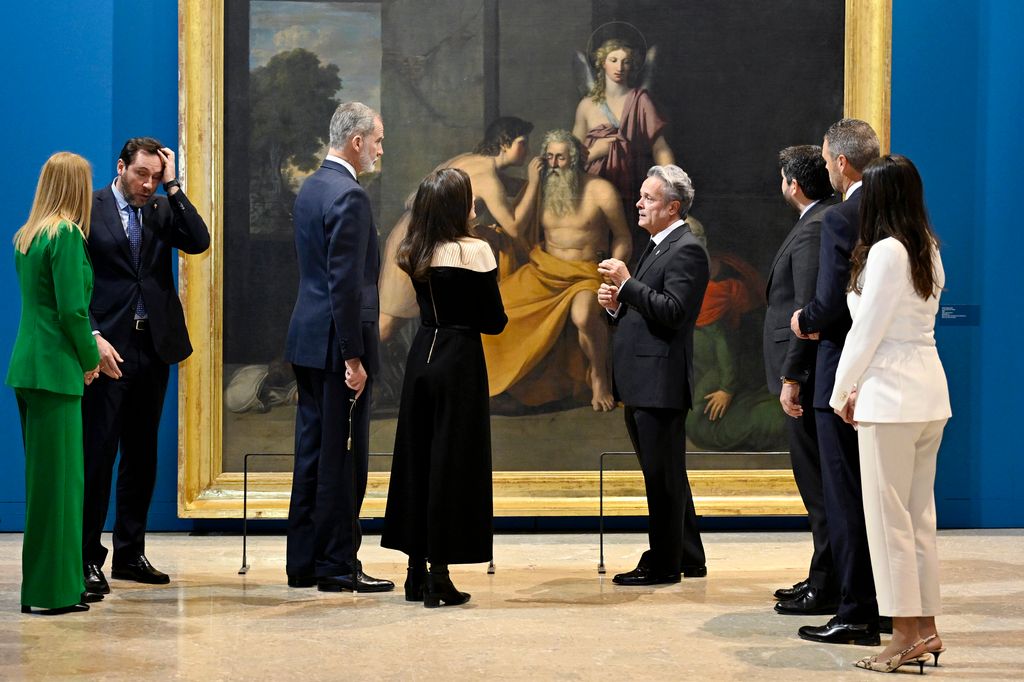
(346, 34)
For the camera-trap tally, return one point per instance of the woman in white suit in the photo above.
(891, 385)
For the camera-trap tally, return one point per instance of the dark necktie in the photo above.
(645, 254)
(135, 242)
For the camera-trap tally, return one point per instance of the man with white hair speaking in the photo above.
(652, 367)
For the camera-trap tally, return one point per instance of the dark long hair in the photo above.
(440, 214)
(502, 132)
(893, 206)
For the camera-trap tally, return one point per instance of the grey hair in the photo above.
(677, 184)
(567, 138)
(351, 119)
(854, 139)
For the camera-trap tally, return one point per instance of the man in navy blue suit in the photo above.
(140, 331)
(333, 347)
(849, 146)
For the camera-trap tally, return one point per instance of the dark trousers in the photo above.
(806, 461)
(844, 509)
(323, 525)
(122, 415)
(659, 439)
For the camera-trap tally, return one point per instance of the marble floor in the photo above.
(545, 614)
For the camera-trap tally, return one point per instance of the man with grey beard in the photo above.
(333, 347)
(581, 223)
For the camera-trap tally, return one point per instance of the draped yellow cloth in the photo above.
(537, 359)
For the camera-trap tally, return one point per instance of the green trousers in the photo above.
(51, 555)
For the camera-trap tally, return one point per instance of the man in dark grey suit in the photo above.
(789, 361)
(652, 368)
(849, 145)
(332, 345)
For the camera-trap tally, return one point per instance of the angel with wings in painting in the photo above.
(617, 120)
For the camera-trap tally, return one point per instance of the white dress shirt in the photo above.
(808, 207)
(852, 188)
(663, 235)
(348, 166)
(890, 355)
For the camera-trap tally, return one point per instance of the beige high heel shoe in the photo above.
(934, 652)
(893, 663)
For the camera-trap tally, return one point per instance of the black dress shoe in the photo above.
(644, 575)
(795, 592)
(300, 581)
(363, 583)
(813, 602)
(695, 571)
(91, 597)
(74, 608)
(885, 625)
(838, 632)
(95, 581)
(139, 570)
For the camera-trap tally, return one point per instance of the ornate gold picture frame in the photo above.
(205, 490)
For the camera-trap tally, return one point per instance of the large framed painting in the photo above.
(718, 88)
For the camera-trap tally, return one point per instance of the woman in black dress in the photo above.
(440, 505)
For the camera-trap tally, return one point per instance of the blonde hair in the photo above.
(600, 54)
(64, 194)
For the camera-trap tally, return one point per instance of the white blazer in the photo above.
(890, 355)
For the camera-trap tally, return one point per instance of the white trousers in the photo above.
(897, 471)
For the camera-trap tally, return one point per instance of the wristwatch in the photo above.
(171, 184)
(787, 380)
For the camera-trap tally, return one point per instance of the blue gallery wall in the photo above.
(957, 107)
(81, 77)
(957, 103)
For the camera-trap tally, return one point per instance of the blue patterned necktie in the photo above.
(135, 242)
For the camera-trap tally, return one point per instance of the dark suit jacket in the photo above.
(167, 223)
(827, 313)
(791, 283)
(336, 311)
(653, 346)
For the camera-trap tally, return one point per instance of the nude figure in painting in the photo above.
(502, 218)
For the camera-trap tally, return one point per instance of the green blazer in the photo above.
(55, 345)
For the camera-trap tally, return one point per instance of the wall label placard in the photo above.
(959, 315)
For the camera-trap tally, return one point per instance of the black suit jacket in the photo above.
(791, 284)
(167, 223)
(653, 346)
(337, 307)
(827, 313)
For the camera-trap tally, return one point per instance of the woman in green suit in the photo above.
(54, 356)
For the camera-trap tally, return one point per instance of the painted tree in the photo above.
(291, 100)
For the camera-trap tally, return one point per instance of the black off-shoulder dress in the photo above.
(440, 503)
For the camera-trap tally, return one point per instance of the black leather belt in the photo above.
(141, 325)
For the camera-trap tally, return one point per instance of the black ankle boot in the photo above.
(415, 579)
(440, 589)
